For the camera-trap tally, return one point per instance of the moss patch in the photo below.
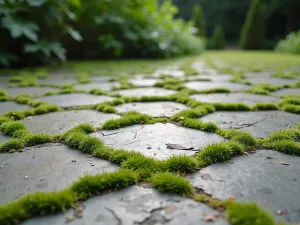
(265, 106)
(248, 214)
(11, 145)
(170, 183)
(9, 128)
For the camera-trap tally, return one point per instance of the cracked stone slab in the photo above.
(75, 99)
(150, 91)
(30, 90)
(155, 109)
(106, 86)
(271, 80)
(151, 139)
(59, 122)
(287, 91)
(51, 167)
(260, 178)
(143, 82)
(9, 106)
(136, 205)
(202, 85)
(260, 123)
(249, 99)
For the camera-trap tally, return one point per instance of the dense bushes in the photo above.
(34, 31)
(218, 39)
(253, 31)
(290, 44)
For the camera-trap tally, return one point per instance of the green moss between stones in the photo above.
(11, 145)
(106, 107)
(45, 108)
(180, 164)
(198, 125)
(291, 108)
(89, 144)
(14, 115)
(231, 107)
(286, 146)
(193, 113)
(283, 75)
(214, 90)
(129, 119)
(263, 89)
(83, 78)
(36, 139)
(90, 185)
(248, 214)
(23, 99)
(139, 161)
(98, 92)
(103, 152)
(265, 106)
(170, 183)
(9, 128)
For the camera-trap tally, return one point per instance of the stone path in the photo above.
(258, 176)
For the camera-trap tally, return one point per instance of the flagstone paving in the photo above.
(176, 123)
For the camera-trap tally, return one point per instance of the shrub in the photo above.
(253, 31)
(198, 20)
(218, 39)
(290, 44)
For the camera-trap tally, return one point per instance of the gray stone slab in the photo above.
(30, 90)
(264, 122)
(143, 82)
(150, 91)
(155, 109)
(271, 80)
(217, 78)
(101, 78)
(287, 91)
(47, 168)
(174, 72)
(106, 86)
(260, 178)
(202, 85)
(75, 99)
(59, 122)
(54, 80)
(263, 74)
(3, 138)
(9, 106)
(249, 99)
(136, 205)
(151, 139)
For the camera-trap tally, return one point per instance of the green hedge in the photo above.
(290, 44)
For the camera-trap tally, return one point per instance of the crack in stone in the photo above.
(115, 215)
(154, 217)
(135, 133)
(247, 124)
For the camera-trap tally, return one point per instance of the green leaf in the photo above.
(36, 3)
(74, 34)
(76, 3)
(19, 27)
(46, 48)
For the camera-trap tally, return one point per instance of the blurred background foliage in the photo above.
(37, 32)
(47, 31)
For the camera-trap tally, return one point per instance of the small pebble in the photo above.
(25, 177)
(1, 166)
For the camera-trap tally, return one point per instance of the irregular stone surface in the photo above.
(249, 99)
(75, 99)
(202, 85)
(287, 91)
(3, 138)
(143, 82)
(259, 178)
(30, 90)
(9, 106)
(136, 205)
(139, 92)
(54, 80)
(155, 109)
(170, 70)
(260, 123)
(271, 80)
(100, 78)
(106, 86)
(48, 168)
(217, 78)
(151, 139)
(59, 122)
(263, 74)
